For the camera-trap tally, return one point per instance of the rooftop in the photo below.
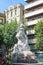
(13, 7)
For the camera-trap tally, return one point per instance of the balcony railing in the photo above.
(28, 0)
(30, 32)
(30, 41)
(33, 22)
(34, 4)
(33, 13)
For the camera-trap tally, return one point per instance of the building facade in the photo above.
(14, 13)
(33, 13)
(2, 18)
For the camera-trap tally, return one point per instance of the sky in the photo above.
(4, 4)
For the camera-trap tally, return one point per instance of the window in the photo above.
(32, 47)
(0, 55)
(11, 13)
(7, 14)
(23, 12)
(15, 11)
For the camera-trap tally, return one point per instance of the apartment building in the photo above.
(2, 18)
(15, 12)
(33, 13)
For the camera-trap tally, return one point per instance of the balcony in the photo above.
(33, 13)
(36, 3)
(30, 41)
(29, 23)
(30, 32)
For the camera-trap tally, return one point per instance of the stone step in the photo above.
(27, 64)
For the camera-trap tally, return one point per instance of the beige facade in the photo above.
(2, 18)
(33, 13)
(14, 13)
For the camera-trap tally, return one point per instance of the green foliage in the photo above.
(1, 34)
(39, 35)
(8, 33)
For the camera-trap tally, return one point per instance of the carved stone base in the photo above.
(22, 58)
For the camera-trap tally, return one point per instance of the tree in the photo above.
(8, 34)
(39, 35)
(1, 35)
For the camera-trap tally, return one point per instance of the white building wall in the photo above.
(18, 9)
(33, 14)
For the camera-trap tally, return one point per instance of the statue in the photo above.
(22, 49)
